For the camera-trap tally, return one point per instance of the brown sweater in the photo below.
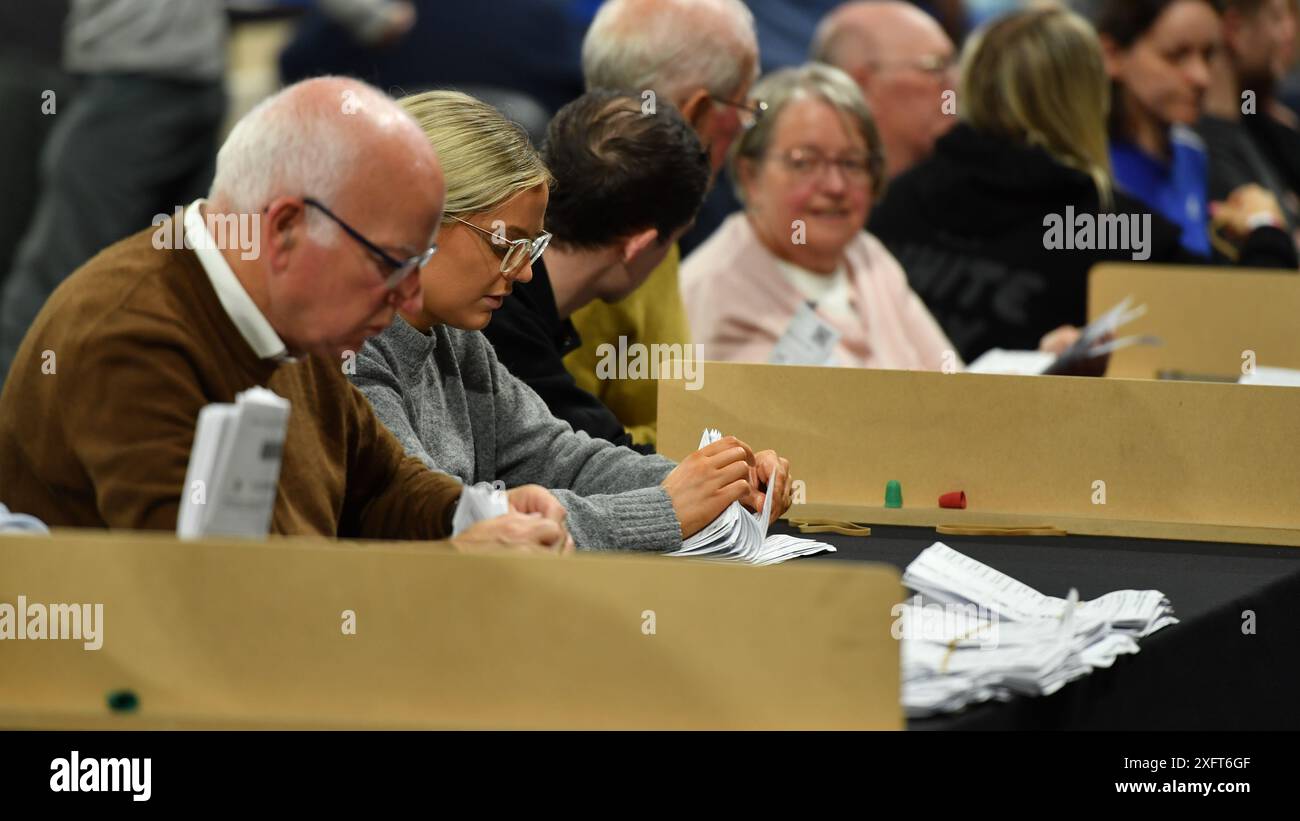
(139, 343)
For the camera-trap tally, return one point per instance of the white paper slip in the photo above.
(1011, 363)
(478, 503)
(234, 469)
(1279, 377)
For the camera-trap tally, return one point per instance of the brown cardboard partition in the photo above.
(1208, 317)
(229, 633)
(1116, 457)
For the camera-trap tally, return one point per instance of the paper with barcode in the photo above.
(234, 471)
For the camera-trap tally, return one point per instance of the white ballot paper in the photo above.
(234, 468)
(1278, 377)
(477, 503)
(1088, 346)
(740, 536)
(974, 634)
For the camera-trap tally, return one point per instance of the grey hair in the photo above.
(628, 49)
(819, 81)
(289, 145)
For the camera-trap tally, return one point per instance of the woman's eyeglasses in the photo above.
(514, 252)
(809, 164)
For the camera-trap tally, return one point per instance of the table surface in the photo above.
(1205, 672)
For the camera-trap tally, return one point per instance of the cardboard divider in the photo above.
(1116, 457)
(1208, 318)
(225, 633)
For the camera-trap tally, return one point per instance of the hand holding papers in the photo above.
(1096, 340)
(234, 468)
(974, 634)
(740, 536)
(528, 517)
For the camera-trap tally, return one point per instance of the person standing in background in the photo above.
(140, 136)
(32, 87)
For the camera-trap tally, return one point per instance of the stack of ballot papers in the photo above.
(1088, 346)
(477, 503)
(740, 536)
(973, 634)
(234, 470)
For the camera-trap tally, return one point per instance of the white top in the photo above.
(239, 306)
(830, 293)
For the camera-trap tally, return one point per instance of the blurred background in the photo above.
(521, 55)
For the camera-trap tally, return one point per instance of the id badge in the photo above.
(808, 340)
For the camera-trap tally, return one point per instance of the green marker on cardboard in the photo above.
(123, 701)
(893, 494)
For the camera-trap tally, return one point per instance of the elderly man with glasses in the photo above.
(98, 414)
(904, 63)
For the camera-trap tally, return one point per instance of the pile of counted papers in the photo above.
(973, 634)
(740, 536)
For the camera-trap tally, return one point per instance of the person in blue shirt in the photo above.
(1159, 55)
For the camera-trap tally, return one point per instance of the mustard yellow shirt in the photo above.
(651, 314)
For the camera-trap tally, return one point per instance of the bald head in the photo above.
(902, 60)
(320, 138)
(859, 33)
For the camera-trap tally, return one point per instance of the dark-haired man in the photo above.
(627, 185)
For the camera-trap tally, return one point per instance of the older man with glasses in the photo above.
(98, 414)
(904, 63)
(701, 56)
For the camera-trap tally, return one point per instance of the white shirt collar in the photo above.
(239, 306)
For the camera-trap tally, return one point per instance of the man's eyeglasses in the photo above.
(514, 252)
(809, 164)
(936, 64)
(402, 268)
(749, 114)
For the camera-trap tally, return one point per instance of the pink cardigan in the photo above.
(739, 304)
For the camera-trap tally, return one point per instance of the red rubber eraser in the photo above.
(955, 500)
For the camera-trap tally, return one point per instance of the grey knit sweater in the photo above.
(454, 406)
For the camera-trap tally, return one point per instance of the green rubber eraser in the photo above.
(893, 494)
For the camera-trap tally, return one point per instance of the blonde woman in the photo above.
(981, 227)
(435, 381)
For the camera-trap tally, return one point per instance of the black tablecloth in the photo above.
(1203, 673)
